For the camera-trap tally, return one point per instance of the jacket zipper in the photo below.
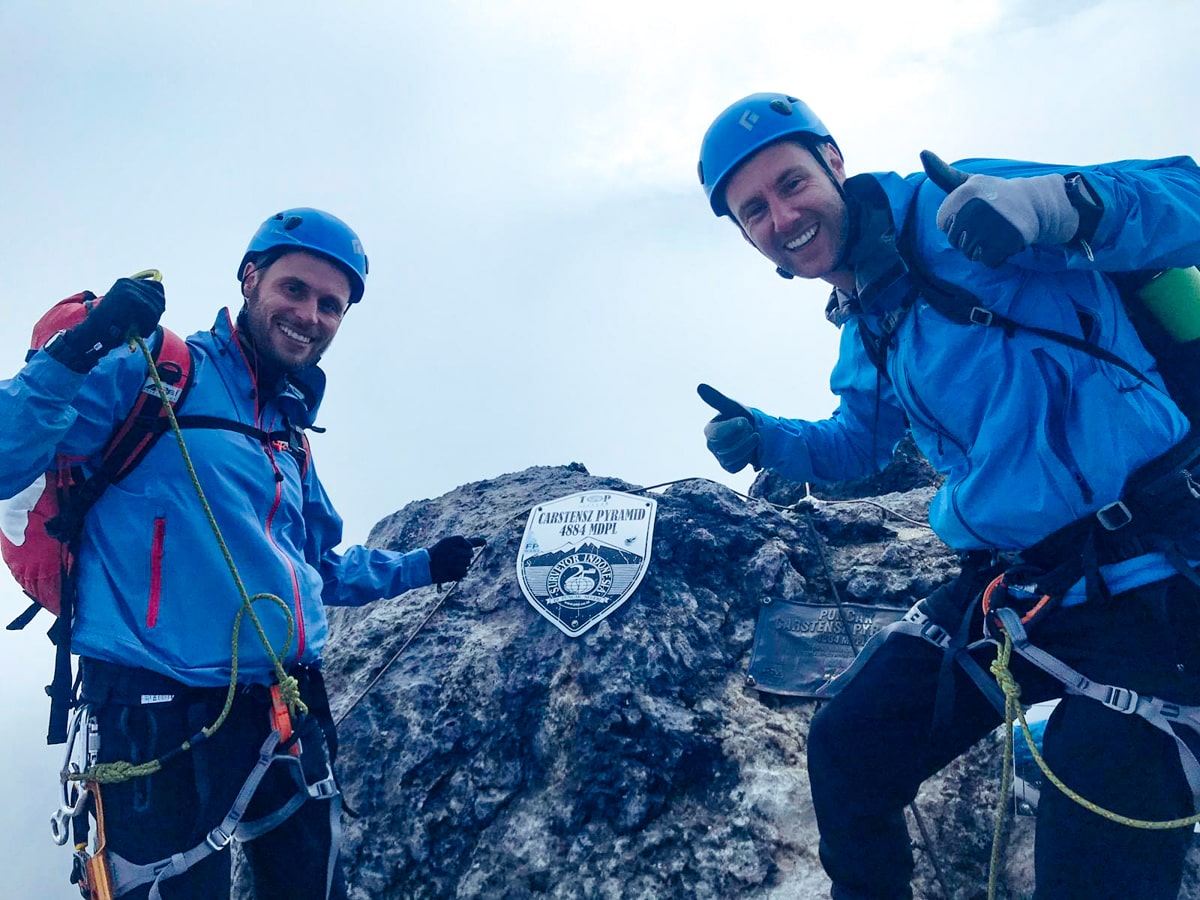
(1056, 429)
(299, 610)
(278, 475)
(156, 563)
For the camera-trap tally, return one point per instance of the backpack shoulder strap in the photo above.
(955, 303)
(146, 421)
(961, 306)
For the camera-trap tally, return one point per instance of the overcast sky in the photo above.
(547, 284)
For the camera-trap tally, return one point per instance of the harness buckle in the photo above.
(980, 316)
(936, 634)
(930, 630)
(1114, 515)
(218, 838)
(323, 789)
(1121, 700)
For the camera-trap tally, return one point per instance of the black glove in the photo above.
(450, 557)
(132, 306)
(731, 435)
(989, 219)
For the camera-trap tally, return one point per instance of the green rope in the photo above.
(115, 772)
(1014, 711)
(1012, 704)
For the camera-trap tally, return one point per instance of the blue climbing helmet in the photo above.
(745, 128)
(318, 232)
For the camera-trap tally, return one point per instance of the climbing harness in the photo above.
(125, 876)
(1156, 506)
(1159, 713)
(1164, 715)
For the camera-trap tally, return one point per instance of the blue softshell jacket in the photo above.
(1030, 434)
(154, 589)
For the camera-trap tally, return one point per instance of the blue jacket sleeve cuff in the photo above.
(783, 448)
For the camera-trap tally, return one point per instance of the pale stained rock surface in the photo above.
(497, 757)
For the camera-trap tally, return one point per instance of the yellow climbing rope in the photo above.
(110, 773)
(1012, 707)
(1013, 711)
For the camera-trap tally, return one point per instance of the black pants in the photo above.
(148, 819)
(873, 745)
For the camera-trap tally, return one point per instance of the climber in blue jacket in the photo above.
(1045, 447)
(156, 607)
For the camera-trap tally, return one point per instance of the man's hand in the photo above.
(131, 307)
(731, 435)
(990, 219)
(450, 557)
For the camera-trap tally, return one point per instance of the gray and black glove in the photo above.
(731, 435)
(990, 219)
(450, 557)
(131, 307)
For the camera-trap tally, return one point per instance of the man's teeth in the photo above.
(797, 242)
(295, 335)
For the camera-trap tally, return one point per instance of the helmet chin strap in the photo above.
(851, 226)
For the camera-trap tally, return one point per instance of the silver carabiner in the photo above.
(82, 751)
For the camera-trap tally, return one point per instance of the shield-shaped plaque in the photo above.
(583, 555)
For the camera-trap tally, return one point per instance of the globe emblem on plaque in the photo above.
(578, 580)
(581, 582)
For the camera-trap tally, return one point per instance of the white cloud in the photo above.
(547, 284)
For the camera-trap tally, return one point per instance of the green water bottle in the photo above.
(1173, 298)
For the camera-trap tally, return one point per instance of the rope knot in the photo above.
(289, 692)
(1004, 678)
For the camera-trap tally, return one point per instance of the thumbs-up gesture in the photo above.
(990, 219)
(731, 435)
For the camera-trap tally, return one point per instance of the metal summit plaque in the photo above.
(583, 555)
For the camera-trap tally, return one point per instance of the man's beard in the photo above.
(266, 362)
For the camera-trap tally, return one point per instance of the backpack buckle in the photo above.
(980, 316)
(1114, 515)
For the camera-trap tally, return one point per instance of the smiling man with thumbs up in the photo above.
(978, 312)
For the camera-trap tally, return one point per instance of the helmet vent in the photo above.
(783, 107)
(291, 222)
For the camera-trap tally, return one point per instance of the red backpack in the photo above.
(40, 526)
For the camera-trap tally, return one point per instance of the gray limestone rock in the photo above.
(496, 757)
